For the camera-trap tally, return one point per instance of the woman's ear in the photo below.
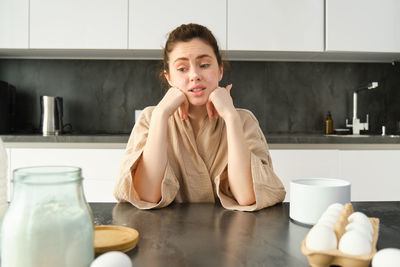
(166, 75)
(221, 73)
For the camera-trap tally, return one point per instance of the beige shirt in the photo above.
(196, 168)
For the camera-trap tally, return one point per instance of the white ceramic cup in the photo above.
(310, 197)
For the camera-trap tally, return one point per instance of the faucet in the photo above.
(357, 125)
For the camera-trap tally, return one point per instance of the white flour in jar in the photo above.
(3, 181)
(47, 235)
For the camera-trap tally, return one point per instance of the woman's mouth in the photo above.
(197, 91)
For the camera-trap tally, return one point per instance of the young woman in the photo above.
(195, 146)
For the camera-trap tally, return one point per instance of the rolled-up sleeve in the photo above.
(268, 188)
(124, 190)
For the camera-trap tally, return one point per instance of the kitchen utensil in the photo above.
(310, 197)
(114, 237)
(51, 115)
(48, 222)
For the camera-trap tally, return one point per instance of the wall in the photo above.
(100, 96)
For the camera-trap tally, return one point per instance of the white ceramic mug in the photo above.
(310, 197)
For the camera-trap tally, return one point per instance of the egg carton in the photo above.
(336, 257)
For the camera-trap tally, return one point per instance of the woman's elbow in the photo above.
(246, 201)
(152, 199)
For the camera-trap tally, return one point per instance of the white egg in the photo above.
(361, 218)
(320, 238)
(112, 259)
(328, 220)
(338, 207)
(354, 243)
(331, 213)
(388, 257)
(360, 227)
(326, 223)
(333, 210)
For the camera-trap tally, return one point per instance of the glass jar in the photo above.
(3, 183)
(48, 222)
(3, 180)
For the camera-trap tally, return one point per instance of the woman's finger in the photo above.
(185, 108)
(210, 109)
(229, 87)
(181, 112)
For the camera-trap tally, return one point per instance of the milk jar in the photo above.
(3, 183)
(3, 180)
(48, 221)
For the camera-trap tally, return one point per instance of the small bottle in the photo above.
(328, 124)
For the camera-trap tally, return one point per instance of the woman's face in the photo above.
(194, 69)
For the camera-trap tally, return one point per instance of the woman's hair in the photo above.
(185, 33)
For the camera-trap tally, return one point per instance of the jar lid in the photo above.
(114, 237)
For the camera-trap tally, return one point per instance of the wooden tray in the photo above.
(114, 237)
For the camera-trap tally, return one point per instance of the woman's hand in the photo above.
(220, 103)
(174, 99)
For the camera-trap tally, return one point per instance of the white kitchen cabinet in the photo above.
(363, 25)
(291, 164)
(150, 21)
(100, 167)
(80, 24)
(270, 25)
(374, 175)
(14, 23)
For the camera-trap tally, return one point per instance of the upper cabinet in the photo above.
(79, 24)
(289, 30)
(270, 25)
(363, 25)
(14, 23)
(150, 21)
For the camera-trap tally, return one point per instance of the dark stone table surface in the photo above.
(209, 235)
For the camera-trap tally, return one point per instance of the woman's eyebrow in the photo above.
(203, 56)
(181, 59)
(186, 59)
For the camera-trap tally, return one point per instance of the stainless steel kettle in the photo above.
(51, 115)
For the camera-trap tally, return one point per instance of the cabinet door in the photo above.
(79, 24)
(374, 174)
(100, 167)
(363, 25)
(291, 164)
(271, 25)
(14, 23)
(150, 21)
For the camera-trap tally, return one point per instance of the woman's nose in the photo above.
(194, 75)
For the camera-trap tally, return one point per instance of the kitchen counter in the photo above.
(275, 141)
(209, 235)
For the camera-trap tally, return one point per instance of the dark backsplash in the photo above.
(100, 96)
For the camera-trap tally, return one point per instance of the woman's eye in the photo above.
(182, 69)
(204, 65)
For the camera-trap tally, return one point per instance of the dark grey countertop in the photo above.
(271, 139)
(209, 235)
